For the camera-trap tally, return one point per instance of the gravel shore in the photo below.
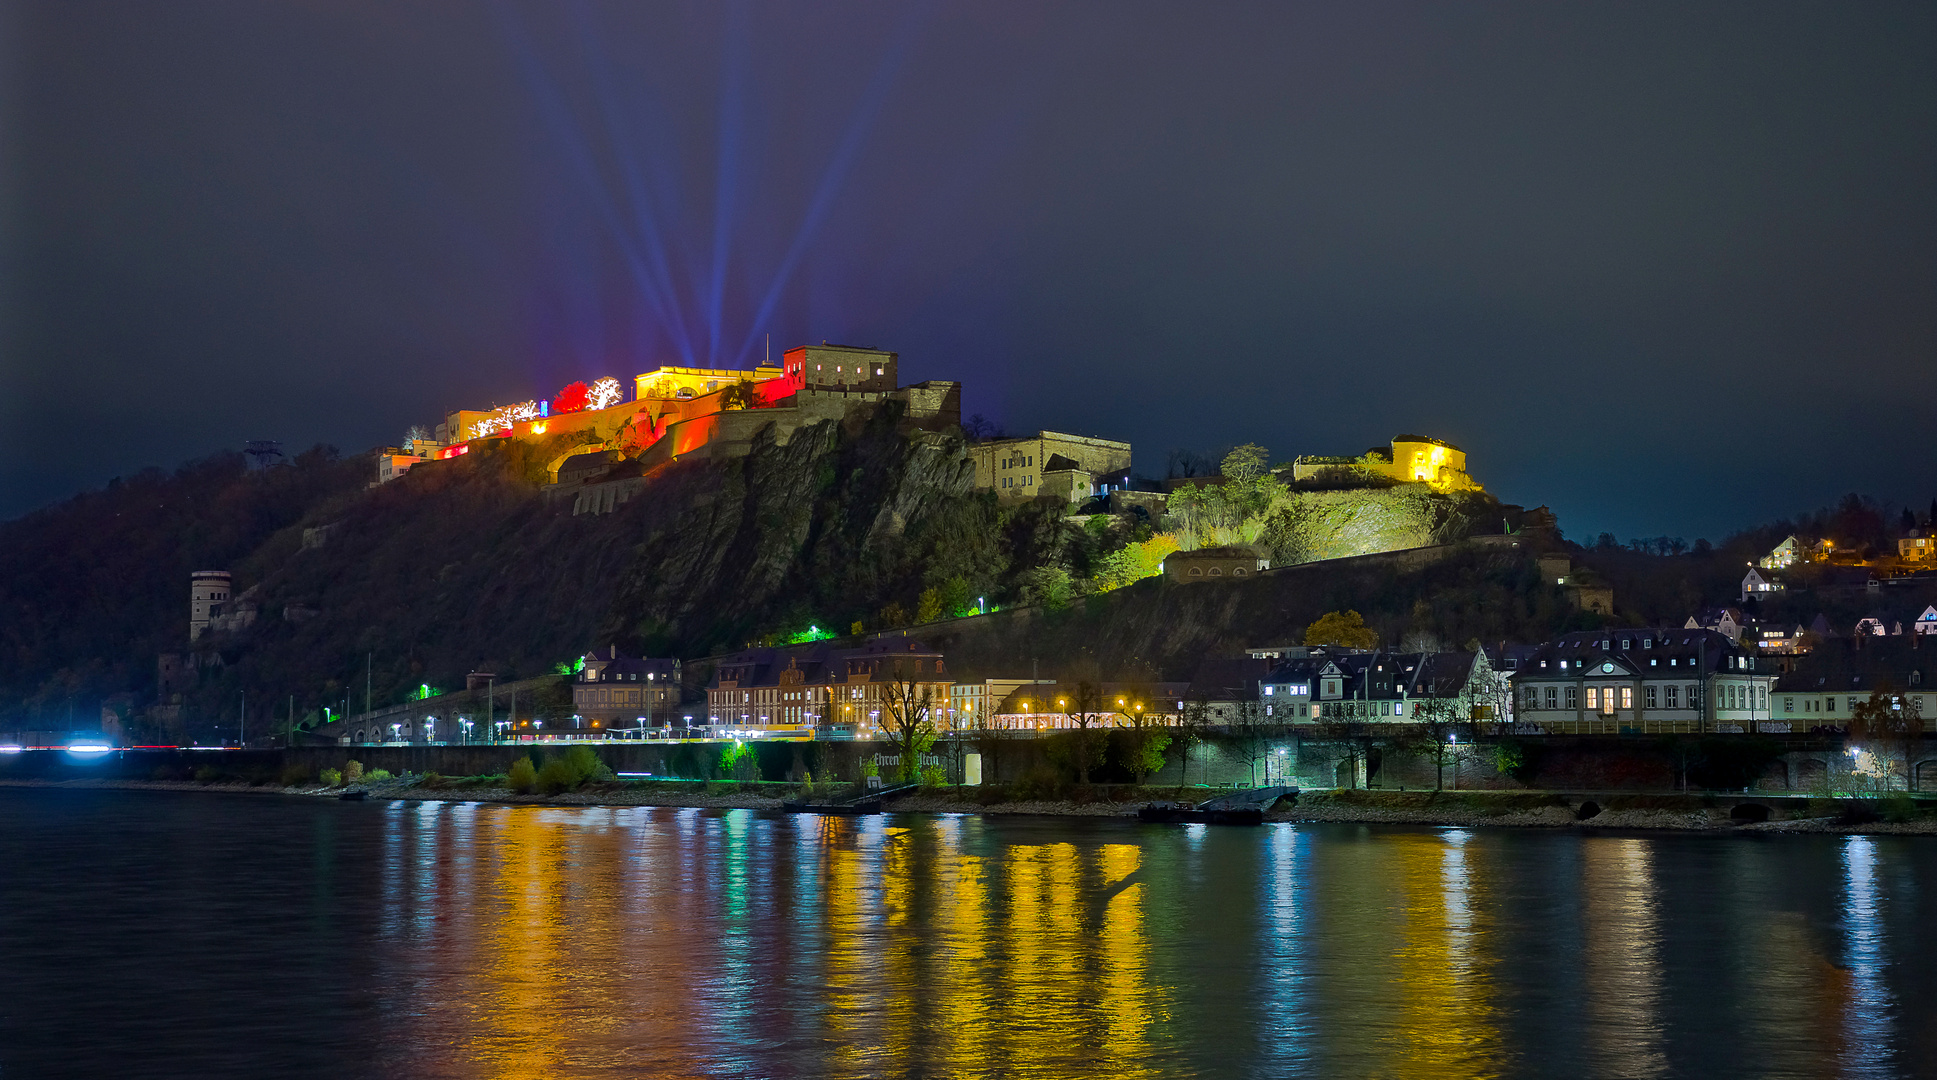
(1320, 807)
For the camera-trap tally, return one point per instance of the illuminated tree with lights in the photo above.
(605, 393)
(573, 398)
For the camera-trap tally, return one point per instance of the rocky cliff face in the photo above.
(816, 531)
(1308, 526)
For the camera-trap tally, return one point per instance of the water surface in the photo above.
(163, 934)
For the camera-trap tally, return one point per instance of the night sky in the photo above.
(1668, 268)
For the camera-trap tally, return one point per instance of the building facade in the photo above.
(614, 690)
(1409, 459)
(1015, 468)
(208, 598)
(972, 704)
(1646, 680)
(819, 686)
(1214, 563)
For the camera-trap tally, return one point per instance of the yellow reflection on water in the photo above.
(1440, 981)
(1622, 957)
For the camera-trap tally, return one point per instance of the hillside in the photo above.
(466, 563)
(1163, 629)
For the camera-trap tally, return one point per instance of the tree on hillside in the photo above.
(1183, 464)
(1343, 628)
(739, 395)
(979, 428)
(907, 707)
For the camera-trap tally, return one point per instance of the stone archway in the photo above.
(1810, 774)
(1924, 776)
(1775, 777)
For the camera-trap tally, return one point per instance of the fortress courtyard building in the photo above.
(1050, 464)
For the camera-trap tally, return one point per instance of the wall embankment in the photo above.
(1777, 765)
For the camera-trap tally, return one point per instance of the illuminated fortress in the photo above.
(677, 412)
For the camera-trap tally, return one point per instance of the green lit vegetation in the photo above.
(522, 777)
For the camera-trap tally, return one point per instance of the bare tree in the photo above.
(1253, 734)
(908, 704)
(1085, 708)
(1192, 721)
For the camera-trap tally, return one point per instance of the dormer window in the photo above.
(1626, 643)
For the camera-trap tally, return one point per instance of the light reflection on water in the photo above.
(487, 941)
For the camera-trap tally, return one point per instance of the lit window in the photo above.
(1593, 698)
(1627, 697)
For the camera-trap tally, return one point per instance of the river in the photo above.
(166, 934)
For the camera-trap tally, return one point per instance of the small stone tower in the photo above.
(208, 598)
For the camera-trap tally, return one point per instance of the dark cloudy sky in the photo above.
(1670, 268)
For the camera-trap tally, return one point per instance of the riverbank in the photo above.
(1466, 809)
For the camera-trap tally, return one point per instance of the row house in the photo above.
(1837, 676)
(1646, 680)
(614, 690)
(820, 685)
(1386, 687)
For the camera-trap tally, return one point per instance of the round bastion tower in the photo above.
(208, 597)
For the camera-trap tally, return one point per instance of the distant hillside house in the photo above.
(1018, 469)
(1755, 586)
(617, 691)
(1216, 562)
(1915, 548)
(1783, 555)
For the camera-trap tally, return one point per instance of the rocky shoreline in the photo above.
(1322, 808)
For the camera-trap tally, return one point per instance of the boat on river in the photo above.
(868, 802)
(1242, 807)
